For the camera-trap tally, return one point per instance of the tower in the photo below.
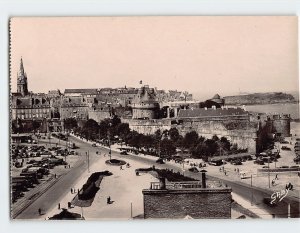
(145, 104)
(22, 87)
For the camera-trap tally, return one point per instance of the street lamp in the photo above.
(269, 172)
(108, 135)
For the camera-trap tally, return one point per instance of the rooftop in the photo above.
(81, 91)
(203, 112)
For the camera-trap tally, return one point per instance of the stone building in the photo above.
(145, 105)
(74, 107)
(179, 200)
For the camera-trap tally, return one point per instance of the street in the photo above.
(54, 194)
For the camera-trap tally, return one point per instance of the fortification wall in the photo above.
(148, 126)
(143, 113)
(244, 138)
(282, 125)
(99, 115)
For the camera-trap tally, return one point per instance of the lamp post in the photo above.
(88, 160)
(269, 172)
(108, 134)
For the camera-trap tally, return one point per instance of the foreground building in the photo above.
(179, 200)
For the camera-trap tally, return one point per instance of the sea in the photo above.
(283, 108)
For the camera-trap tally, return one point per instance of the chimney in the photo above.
(203, 178)
(162, 183)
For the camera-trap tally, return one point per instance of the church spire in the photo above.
(22, 87)
(21, 67)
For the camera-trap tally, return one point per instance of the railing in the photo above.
(185, 185)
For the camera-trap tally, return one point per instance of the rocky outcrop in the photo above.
(260, 98)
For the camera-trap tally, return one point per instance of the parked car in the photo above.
(285, 148)
(160, 161)
(123, 153)
(94, 145)
(259, 162)
(193, 169)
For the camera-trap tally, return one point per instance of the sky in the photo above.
(202, 55)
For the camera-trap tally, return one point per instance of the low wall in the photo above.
(197, 203)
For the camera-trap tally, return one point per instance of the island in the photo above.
(260, 98)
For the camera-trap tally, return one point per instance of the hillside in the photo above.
(259, 98)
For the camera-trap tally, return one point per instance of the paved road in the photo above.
(252, 194)
(51, 198)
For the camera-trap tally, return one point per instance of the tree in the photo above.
(212, 147)
(104, 126)
(190, 139)
(90, 129)
(70, 123)
(200, 150)
(35, 125)
(167, 147)
(225, 143)
(123, 130)
(215, 138)
(115, 121)
(174, 134)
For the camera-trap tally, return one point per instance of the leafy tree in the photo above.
(174, 134)
(212, 147)
(90, 129)
(70, 123)
(115, 121)
(225, 143)
(167, 147)
(123, 130)
(200, 150)
(104, 126)
(35, 125)
(215, 138)
(190, 139)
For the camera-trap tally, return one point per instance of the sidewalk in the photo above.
(124, 188)
(107, 189)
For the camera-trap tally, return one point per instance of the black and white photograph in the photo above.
(154, 117)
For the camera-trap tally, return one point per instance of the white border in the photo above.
(9, 8)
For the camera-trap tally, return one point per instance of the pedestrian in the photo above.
(225, 173)
(276, 177)
(121, 168)
(273, 182)
(59, 206)
(108, 200)
(72, 190)
(55, 175)
(40, 211)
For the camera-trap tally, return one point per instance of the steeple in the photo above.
(22, 86)
(21, 71)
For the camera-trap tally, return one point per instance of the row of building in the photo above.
(147, 109)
